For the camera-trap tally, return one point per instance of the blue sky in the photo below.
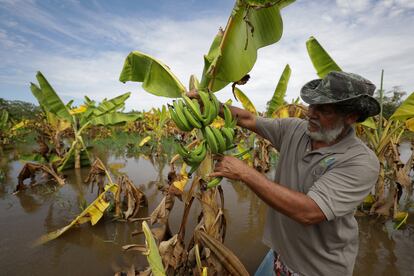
(80, 46)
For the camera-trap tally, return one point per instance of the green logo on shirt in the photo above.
(327, 162)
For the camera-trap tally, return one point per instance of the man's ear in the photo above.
(351, 118)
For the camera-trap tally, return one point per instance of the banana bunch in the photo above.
(187, 113)
(220, 140)
(216, 180)
(193, 157)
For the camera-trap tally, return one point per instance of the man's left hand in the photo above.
(230, 167)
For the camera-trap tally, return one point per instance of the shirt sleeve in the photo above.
(275, 129)
(340, 190)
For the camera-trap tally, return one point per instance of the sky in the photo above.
(80, 46)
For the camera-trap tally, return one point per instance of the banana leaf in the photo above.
(113, 118)
(234, 52)
(92, 213)
(57, 123)
(48, 99)
(278, 97)
(321, 60)
(34, 157)
(405, 110)
(370, 123)
(153, 255)
(107, 106)
(155, 76)
(410, 124)
(246, 102)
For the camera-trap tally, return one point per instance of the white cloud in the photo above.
(365, 43)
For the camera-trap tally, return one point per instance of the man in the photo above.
(324, 172)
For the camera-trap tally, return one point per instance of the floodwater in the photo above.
(97, 250)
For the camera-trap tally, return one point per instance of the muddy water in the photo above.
(97, 250)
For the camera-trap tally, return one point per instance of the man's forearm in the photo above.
(293, 204)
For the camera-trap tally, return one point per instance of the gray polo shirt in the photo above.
(337, 178)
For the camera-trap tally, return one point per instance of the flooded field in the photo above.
(97, 250)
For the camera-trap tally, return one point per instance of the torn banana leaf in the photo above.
(92, 213)
(278, 98)
(233, 52)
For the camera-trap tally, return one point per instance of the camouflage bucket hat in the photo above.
(340, 87)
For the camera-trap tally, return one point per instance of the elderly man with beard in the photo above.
(324, 172)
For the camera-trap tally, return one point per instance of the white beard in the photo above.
(326, 135)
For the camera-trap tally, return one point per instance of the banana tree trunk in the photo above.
(77, 158)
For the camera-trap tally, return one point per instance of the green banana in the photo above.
(212, 113)
(211, 139)
(197, 155)
(214, 182)
(177, 120)
(205, 99)
(182, 151)
(195, 109)
(190, 118)
(227, 115)
(216, 104)
(229, 121)
(229, 135)
(242, 153)
(220, 139)
(193, 169)
(178, 107)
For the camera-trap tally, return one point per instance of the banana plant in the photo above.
(251, 26)
(382, 136)
(106, 113)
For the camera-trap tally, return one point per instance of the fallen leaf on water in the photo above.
(92, 213)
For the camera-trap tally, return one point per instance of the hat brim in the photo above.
(311, 94)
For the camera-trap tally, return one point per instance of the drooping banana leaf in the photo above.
(246, 102)
(321, 60)
(405, 110)
(92, 213)
(153, 255)
(234, 51)
(278, 97)
(155, 76)
(48, 99)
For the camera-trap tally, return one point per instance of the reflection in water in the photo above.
(96, 250)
